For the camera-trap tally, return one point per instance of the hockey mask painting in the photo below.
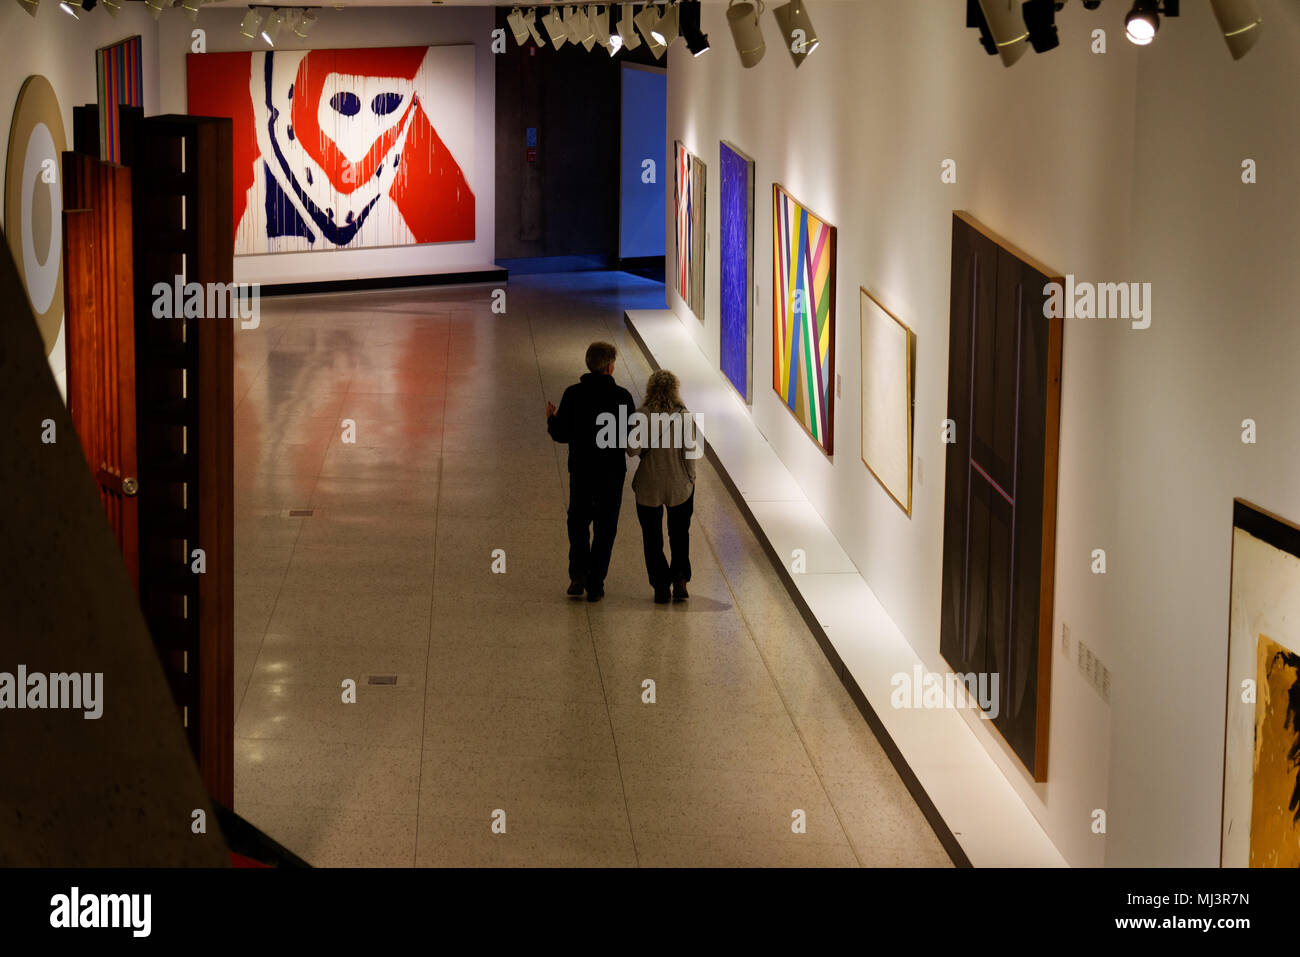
(340, 149)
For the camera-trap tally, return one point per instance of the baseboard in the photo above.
(468, 277)
(649, 267)
(535, 265)
(932, 816)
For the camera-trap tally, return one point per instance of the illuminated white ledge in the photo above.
(988, 819)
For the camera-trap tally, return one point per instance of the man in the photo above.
(595, 474)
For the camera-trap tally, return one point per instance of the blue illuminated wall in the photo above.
(737, 251)
(645, 123)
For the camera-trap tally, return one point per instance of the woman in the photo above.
(662, 435)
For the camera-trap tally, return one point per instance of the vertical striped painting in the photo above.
(691, 179)
(736, 283)
(803, 315)
(119, 83)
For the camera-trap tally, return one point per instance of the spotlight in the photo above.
(555, 27)
(797, 30)
(191, 8)
(647, 21)
(156, 7)
(689, 20)
(70, 10)
(580, 30)
(975, 20)
(271, 29)
(517, 26)
(626, 29)
(1239, 21)
(1040, 19)
(30, 6)
(302, 26)
(114, 7)
(1142, 22)
(1001, 26)
(598, 17)
(669, 24)
(569, 20)
(530, 21)
(248, 27)
(746, 32)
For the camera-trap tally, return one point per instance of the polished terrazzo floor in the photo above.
(508, 696)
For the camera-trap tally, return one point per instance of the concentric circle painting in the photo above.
(34, 202)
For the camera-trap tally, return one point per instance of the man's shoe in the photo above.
(595, 592)
(576, 589)
(679, 591)
(662, 595)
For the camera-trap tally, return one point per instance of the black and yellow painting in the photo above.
(1275, 794)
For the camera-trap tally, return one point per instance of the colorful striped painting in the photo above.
(691, 182)
(736, 282)
(119, 82)
(803, 315)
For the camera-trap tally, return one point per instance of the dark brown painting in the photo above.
(1004, 391)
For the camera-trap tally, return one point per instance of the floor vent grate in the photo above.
(381, 679)
(301, 512)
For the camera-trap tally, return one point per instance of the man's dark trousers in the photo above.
(594, 502)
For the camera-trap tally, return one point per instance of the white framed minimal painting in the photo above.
(888, 367)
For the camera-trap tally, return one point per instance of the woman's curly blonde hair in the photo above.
(661, 393)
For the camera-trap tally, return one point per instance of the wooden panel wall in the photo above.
(182, 174)
(999, 540)
(100, 336)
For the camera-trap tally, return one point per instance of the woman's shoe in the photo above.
(679, 591)
(662, 595)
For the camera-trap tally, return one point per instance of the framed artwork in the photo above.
(119, 82)
(803, 315)
(999, 519)
(34, 203)
(340, 149)
(691, 184)
(1261, 759)
(888, 376)
(737, 272)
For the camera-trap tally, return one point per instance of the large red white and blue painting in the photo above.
(737, 282)
(342, 149)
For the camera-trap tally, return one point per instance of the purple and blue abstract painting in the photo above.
(737, 283)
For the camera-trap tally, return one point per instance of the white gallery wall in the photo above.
(62, 50)
(1222, 348)
(1122, 166)
(342, 29)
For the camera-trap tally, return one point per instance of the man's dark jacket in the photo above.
(575, 422)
